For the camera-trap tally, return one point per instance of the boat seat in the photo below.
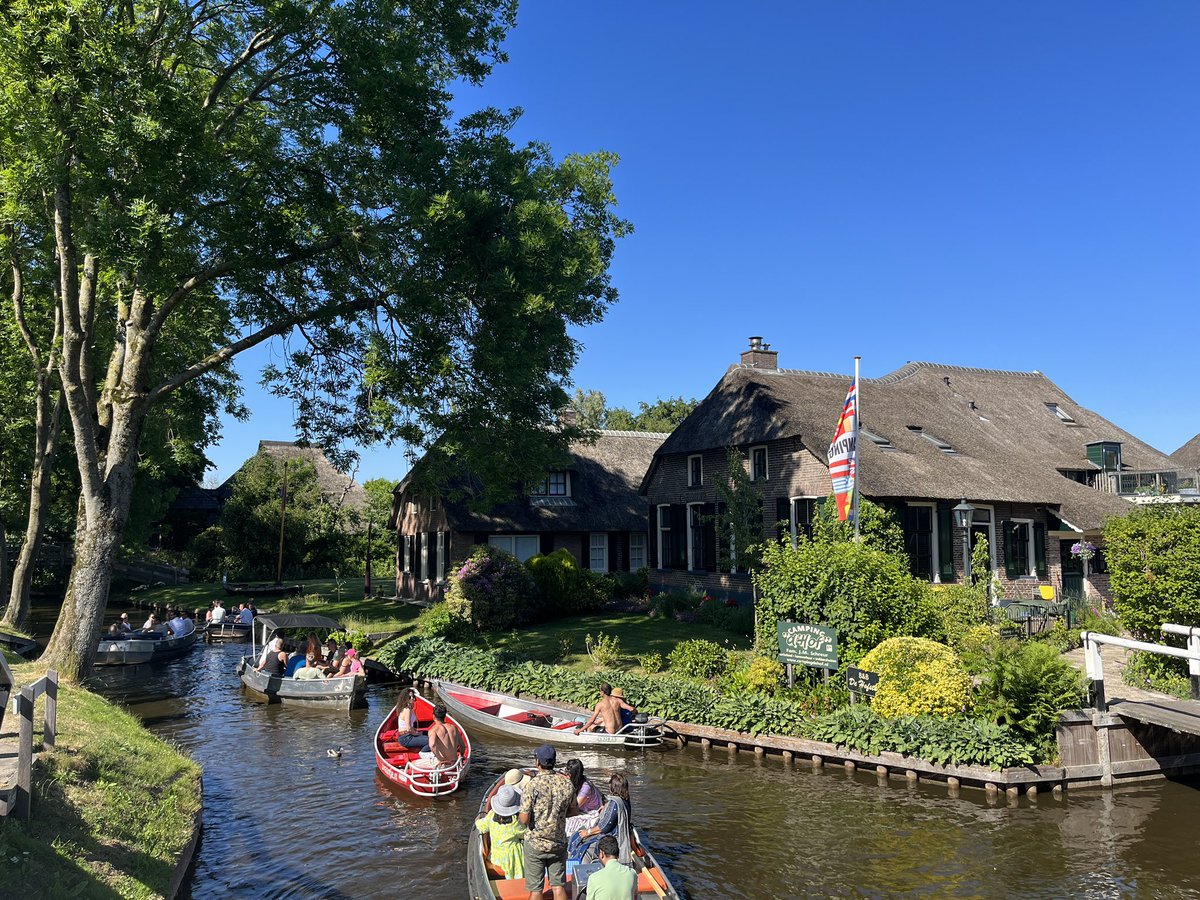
(387, 736)
(514, 889)
(400, 759)
(563, 726)
(525, 717)
(483, 704)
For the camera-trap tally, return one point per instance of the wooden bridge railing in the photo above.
(23, 706)
(1092, 642)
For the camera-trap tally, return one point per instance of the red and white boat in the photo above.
(405, 767)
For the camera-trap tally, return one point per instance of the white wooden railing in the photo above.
(1094, 664)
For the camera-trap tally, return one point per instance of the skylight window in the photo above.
(881, 442)
(937, 442)
(1062, 414)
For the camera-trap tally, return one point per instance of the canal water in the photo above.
(282, 818)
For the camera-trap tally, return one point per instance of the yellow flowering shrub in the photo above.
(918, 677)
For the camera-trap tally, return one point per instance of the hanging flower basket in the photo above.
(1083, 550)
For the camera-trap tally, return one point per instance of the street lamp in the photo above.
(963, 514)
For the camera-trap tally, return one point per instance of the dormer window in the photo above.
(695, 470)
(1062, 414)
(937, 442)
(555, 485)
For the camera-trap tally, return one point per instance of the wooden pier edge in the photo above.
(184, 864)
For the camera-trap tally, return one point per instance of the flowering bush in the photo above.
(491, 590)
(918, 677)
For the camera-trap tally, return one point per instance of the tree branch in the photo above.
(260, 42)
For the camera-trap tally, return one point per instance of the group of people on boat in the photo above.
(536, 824)
(439, 745)
(308, 661)
(179, 624)
(217, 614)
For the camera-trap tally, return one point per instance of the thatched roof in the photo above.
(1188, 456)
(340, 490)
(1008, 444)
(605, 477)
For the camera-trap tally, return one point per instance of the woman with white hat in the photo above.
(506, 832)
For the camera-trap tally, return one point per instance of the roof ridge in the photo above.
(910, 368)
(661, 435)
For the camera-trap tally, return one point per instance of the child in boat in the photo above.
(506, 831)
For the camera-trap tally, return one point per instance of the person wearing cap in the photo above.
(506, 831)
(614, 881)
(545, 805)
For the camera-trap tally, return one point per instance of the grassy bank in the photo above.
(113, 806)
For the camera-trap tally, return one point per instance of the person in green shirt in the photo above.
(614, 881)
(309, 671)
(505, 847)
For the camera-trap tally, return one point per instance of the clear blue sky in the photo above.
(987, 184)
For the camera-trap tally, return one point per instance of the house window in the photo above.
(1018, 548)
(555, 485)
(598, 552)
(441, 556)
(664, 537)
(804, 510)
(637, 551)
(522, 546)
(919, 540)
(408, 553)
(983, 524)
(695, 559)
(937, 442)
(695, 470)
(881, 442)
(758, 463)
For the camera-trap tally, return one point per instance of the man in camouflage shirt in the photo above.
(545, 804)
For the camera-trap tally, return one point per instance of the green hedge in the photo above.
(690, 701)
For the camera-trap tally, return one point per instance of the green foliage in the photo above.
(589, 409)
(865, 593)
(757, 675)
(918, 677)
(961, 608)
(878, 527)
(962, 742)
(730, 616)
(491, 590)
(667, 604)
(739, 523)
(652, 663)
(687, 700)
(661, 416)
(356, 639)
(1153, 558)
(981, 565)
(564, 587)
(698, 659)
(605, 650)
(628, 584)
(1026, 686)
(1168, 674)
(440, 621)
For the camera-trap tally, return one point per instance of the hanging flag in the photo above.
(843, 456)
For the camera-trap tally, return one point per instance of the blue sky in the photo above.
(1002, 185)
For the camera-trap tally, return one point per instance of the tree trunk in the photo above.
(48, 425)
(3, 558)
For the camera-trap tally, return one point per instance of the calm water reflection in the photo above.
(283, 819)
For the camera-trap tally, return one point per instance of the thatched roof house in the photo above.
(1188, 456)
(590, 507)
(340, 490)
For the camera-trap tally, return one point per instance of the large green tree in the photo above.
(291, 166)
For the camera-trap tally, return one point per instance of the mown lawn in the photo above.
(112, 808)
(639, 635)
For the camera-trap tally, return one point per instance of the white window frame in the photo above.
(495, 539)
(792, 513)
(691, 563)
(658, 528)
(934, 555)
(592, 536)
(441, 556)
(425, 558)
(408, 554)
(690, 481)
(1029, 549)
(766, 462)
(542, 488)
(634, 537)
(991, 537)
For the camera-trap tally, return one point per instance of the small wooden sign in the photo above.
(808, 645)
(861, 681)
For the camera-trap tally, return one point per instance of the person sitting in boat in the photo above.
(587, 798)
(218, 613)
(614, 820)
(607, 714)
(506, 832)
(178, 624)
(614, 881)
(245, 617)
(115, 632)
(295, 659)
(407, 733)
(151, 624)
(445, 746)
(274, 659)
(124, 623)
(312, 647)
(333, 657)
(311, 669)
(516, 778)
(350, 664)
(626, 711)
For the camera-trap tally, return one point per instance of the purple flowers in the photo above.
(1083, 550)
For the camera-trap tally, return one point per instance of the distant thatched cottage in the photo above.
(1039, 471)
(590, 507)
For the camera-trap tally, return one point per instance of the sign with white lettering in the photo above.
(808, 645)
(861, 681)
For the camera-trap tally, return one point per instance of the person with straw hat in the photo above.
(506, 831)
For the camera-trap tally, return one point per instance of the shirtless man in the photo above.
(444, 742)
(607, 714)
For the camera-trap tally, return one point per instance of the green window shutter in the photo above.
(945, 539)
(783, 518)
(1011, 569)
(1039, 549)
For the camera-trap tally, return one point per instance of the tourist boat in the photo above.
(539, 722)
(263, 590)
(342, 692)
(143, 647)
(485, 881)
(405, 768)
(227, 632)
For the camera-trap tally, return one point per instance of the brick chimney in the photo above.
(760, 355)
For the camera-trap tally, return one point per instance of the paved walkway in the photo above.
(1114, 659)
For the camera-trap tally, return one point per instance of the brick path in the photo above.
(1114, 659)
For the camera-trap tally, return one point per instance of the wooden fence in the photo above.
(23, 707)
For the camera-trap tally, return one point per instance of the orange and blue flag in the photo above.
(843, 456)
